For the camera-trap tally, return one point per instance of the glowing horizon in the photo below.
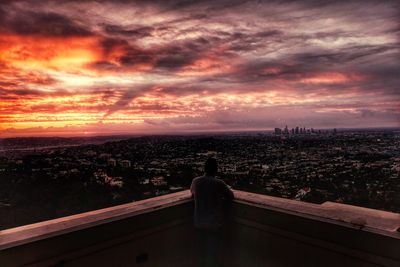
(111, 67)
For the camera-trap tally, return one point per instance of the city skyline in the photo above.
(137, 67)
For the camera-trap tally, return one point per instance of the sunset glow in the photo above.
(132, 67)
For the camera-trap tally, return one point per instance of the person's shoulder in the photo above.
(220, 181)
(197, 179)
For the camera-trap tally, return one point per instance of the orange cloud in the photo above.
(271, 71)
(51, 110)
(45, 53)
(206, 66)
(331, 78)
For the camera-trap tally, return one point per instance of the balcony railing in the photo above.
(261, 231)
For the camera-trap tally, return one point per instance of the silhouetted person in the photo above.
(210, 194)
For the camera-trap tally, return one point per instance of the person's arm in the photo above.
(227, 192)
(192, 189)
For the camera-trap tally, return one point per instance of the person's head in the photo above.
(211, 167)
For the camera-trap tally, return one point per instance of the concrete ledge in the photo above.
(377, 221)
(46, 229)
(322, 235)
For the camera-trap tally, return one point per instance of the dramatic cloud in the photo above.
(104, 67)
(45, 24)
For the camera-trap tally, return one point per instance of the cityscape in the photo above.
(109, 110)
(47, 178)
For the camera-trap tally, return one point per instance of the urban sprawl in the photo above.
(357, 167)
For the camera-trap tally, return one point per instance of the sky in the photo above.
(70, 68)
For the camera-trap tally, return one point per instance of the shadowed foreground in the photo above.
(262, 231)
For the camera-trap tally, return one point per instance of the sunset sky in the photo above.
(72, 68)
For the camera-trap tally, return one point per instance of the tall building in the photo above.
(286, 130)
(278, 131)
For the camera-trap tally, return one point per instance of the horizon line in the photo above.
(188, 133)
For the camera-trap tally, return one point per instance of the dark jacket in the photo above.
(209, 194)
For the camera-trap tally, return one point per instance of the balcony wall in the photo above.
(261, 231)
